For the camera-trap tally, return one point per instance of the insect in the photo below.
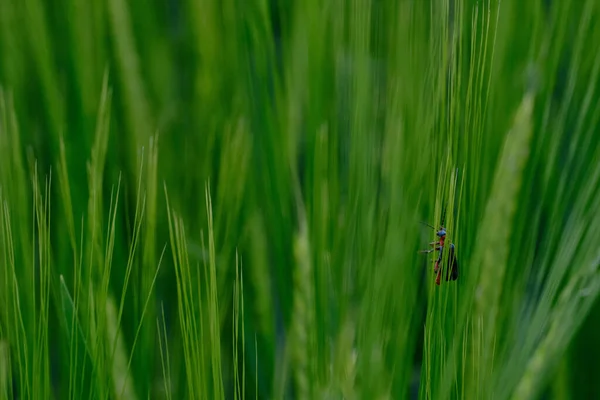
(452, 266)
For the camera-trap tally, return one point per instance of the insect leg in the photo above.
(438, 277)
(430, 250)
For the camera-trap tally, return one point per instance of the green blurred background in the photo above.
(221, 199)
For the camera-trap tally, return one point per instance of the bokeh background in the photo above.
(212, 199)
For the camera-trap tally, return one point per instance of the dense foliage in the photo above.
(221, 199)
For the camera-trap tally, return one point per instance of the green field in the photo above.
(221, 199)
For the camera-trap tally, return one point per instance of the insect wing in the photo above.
(452, 270)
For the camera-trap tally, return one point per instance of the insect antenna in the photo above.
(443, 216)
(431, 226)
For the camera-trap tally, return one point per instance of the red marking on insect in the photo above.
(452, 265)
